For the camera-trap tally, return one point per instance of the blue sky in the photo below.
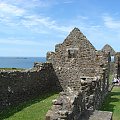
(33, 27)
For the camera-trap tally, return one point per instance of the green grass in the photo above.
(112, 103)
(31, 110)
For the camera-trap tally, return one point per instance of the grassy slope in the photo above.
(32, 110)
(112, 103)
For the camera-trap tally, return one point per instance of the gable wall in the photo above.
(70, 70)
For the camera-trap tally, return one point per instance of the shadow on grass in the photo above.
(108, 104)
(115, 93)
(12, 110)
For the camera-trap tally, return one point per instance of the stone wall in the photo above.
(108, 48)
(74, 105)
(76, 57)
(113, 58)
(76, 68)
(73, 58)
(83, 73)
(19, 86)
(117, 64)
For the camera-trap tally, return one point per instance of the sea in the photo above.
(20, 62)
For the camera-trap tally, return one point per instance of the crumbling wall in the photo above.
(72, 105)
(73, 58)
(117, 64)
(107, 48)
(83, 73)
(76, 57)
(19, 86)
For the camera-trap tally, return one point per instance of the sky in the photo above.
(31, 28)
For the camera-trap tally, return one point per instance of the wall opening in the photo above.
(112, 58)
(72, 52)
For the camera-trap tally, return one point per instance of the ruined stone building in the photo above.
(83, 74)
(75, 59)
(76, 69)
(114, 58)
(108, 48)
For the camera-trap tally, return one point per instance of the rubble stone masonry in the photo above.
(19, 86)
(76, 68)
(83, 73)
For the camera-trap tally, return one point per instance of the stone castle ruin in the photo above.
(83, 73)
(76, 69)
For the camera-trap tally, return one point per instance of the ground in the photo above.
(32, 110)
(112, 103)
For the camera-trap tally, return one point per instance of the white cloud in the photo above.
(27, 4)
(46, 22)
(19, 42)
(13, 15)
(111, 23)
(9, 14)
(11, 9)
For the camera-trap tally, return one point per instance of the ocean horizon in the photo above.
(20, 62)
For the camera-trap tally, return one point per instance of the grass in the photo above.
(112, 103)
(32, 110)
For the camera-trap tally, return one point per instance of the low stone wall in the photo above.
(71, 105)
(100, 115)
(19, 86)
